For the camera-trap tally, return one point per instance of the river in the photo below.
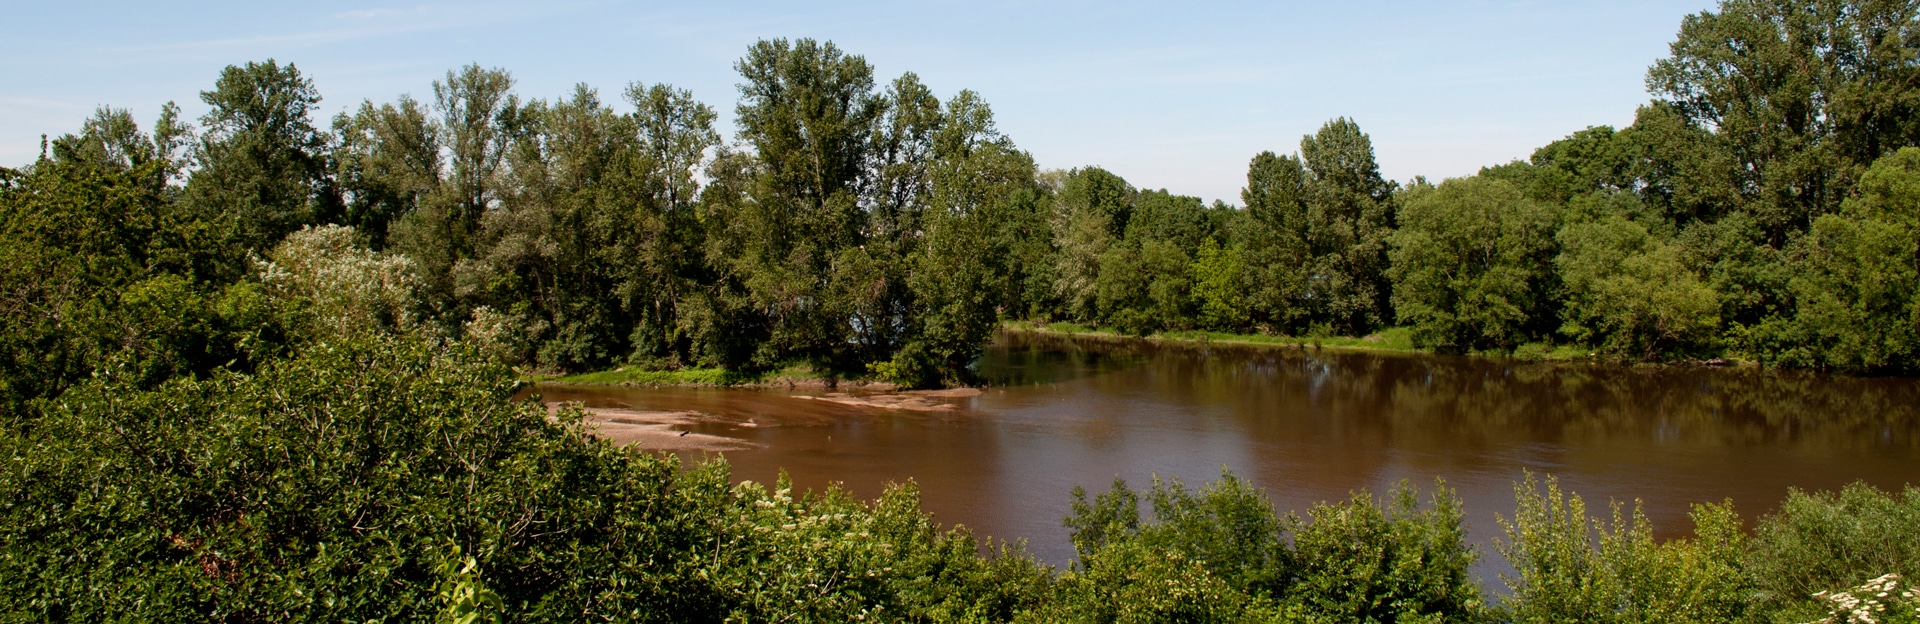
(1310, 425)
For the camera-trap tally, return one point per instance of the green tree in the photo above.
(1472, 265)
(477, 119)
(1801, 97)
(1090, 214)
(978, 179)
(1630, 293)
(1857, 283)
(102, 271)
(387, 163)
(1218, 289)
(1318, 233)
(810, 112)
(1273, 236)
(263, 165)
(1350, 215)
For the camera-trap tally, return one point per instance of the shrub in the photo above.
(1827, 541)
(1570, 567)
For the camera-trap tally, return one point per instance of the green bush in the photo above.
(1371, 560)
(1222, 554)
(382, 478)
(1571, 567)
(1829, 541)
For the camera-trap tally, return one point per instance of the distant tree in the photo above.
(1799, 97)
(1857, 282)
(1630, 293)
(1273, 237)
(1317, 234)
(1219, 292)
(810, 112)
(263, 165)
(1090, 215)
(477, 118)
(387, 163)
(1471, 265)
(978, 180)
(1350, 216)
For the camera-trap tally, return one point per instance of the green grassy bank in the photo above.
(717, 377)
(1390, 340)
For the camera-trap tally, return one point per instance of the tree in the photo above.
(1274, 237)
(1858, 280)
(1090, 213)
(100, 271)
(477, 120)
(1801, 96)
(655, 256)
(263, 165)
(1317, 236)
(1630, 293)
(978, 179)
(810, 113)
(387, 163)
(1350, 215)
(1218, 290)
(1471, 265)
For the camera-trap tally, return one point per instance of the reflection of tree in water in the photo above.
(1383, 397)
(1337, 414)
(1026, 358)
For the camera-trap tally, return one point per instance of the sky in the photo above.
(1168, 95)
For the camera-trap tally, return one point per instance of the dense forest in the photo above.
(262, 367)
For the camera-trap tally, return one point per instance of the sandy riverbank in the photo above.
(655, 430)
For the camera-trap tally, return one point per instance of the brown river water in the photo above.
(1309, 426)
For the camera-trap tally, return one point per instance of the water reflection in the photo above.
(1311, 426)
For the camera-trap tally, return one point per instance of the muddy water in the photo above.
(1312, 426)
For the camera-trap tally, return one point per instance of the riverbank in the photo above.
(801, 377)
(1390, 340)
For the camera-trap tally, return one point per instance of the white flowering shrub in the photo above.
(338, 288)
(1884, 600)
(496, 333)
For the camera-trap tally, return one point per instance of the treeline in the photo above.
(394, 477)
(1759, 208)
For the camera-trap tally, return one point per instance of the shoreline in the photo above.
(1393, 341)
(673, 430)
(1383, 343)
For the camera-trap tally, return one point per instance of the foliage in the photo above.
(1470, 265)
(337, 289)
(1219, 291)
(1570, 566)
(1629, 293)
(394, 478)
(1223, 554)
(1318, 230)
(263, 164)
(1860, 275)
(1369, 560)
(1828, 541)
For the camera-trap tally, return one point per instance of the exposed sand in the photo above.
(655, 431)
(916, 400)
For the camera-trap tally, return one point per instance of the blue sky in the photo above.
(1168, 95)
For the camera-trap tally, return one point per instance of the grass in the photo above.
(1396, 339)
(638, 376)
(1393, 339)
